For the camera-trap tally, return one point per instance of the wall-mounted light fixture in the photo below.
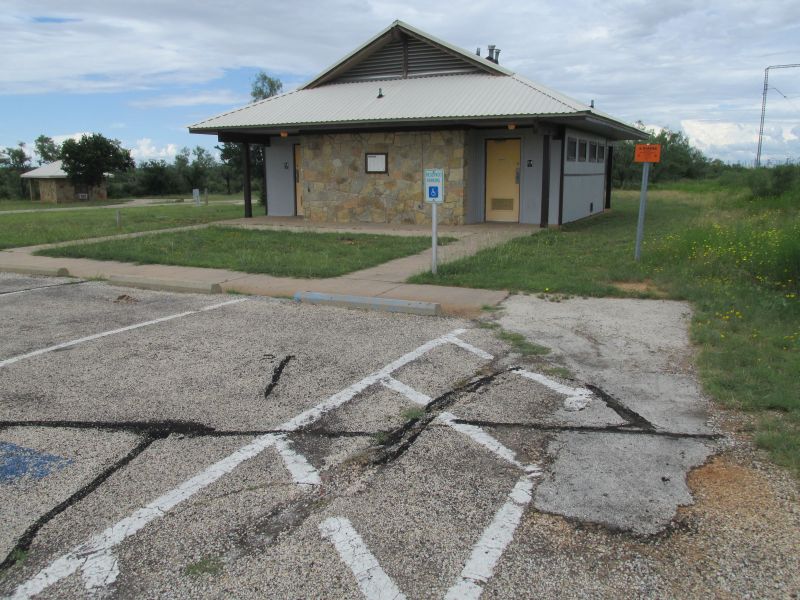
(512, 126)
(284, 134)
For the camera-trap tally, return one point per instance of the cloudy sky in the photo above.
(142, 71)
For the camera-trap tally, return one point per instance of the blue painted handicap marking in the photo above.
(433, 191)
(17, 462)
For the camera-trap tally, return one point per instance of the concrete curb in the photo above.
(48, 271)
(370, 303)
(168, 285)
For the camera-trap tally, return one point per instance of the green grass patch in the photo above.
(521, 344)
(279, 253)
(734, 257)
(30, 229)
(205, 566)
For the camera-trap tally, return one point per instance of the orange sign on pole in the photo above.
(647, 153)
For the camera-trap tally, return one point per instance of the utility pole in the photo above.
(764, 105)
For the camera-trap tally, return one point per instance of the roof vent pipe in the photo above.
(490, 53)
(497, 56)
(478, 51)
(591, 105)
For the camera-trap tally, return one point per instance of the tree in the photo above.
(47, 150)
(156, 177)
(265, 86)
(85, 161)
(16, 158)
(195, 166)
(230, 156)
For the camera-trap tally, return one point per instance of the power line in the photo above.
(764, 105)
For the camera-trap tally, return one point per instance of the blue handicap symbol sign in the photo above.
(433, 191)
(17, 462)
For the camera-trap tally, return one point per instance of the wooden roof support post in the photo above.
(248, 198)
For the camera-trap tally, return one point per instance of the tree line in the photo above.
(89, 159)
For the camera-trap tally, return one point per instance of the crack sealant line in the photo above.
(493, 541)
(97, 336)
(95, 554)
(372, 580)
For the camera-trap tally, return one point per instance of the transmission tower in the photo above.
(764, 105)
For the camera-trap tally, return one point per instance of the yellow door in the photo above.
(502, 180)
(298, 187)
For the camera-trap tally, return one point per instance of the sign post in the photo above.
(645, 153)
(434, 195)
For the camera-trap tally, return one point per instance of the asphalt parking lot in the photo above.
(176, 445)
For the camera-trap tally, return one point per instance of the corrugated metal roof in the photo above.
(472, 96)
(49, 171)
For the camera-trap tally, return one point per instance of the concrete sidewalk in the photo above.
(382, 281)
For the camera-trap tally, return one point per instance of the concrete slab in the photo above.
(624, 481)
(636, 350)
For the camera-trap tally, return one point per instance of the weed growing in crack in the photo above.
(380, 438)
(562, 372)
(413, 414)
(205, 566)
(521, 345)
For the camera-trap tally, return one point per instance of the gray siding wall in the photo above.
(584, 182)
(530, 184)
(279, 162)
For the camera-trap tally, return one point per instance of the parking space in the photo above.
(158, 444)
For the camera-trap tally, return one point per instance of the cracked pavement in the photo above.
(243, 447)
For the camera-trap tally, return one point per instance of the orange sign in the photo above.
(647, 153)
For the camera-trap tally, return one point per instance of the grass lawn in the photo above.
(29, 229)
(736, 259)
(37, 205)
(279, 253)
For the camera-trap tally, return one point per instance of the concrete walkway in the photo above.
(382, 281)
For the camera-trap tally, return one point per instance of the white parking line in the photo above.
(97, 336)
(577, 398)
(489, 442)
(94, 557)
(466, 346)
(491, 545)
(407, 391)
(373, 582)
(303, 472)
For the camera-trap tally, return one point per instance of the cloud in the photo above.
(218, 97)
(665, 62)
(146, 150)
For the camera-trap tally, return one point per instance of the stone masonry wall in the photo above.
(337, 188)
(56, 191)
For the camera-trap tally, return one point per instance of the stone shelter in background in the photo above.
(351, 145)
(54, 186)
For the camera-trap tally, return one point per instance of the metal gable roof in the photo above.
(49, 171)
(493, 93)
(422, 98)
